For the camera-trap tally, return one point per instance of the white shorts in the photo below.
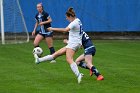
(73, 46)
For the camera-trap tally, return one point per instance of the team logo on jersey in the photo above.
(40, 15)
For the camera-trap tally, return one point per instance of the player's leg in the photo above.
(80, 62)
(37, 40)
(49, 41)
(87, 64)
(93, 69)
(69, 57)
(88, 59)
(58, 53)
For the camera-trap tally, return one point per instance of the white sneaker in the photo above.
(53, 61)
(36, 59)
(80, 78)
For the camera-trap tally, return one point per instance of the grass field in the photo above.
(118, 61)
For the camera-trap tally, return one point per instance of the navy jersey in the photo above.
(41, 17)
(86, 41)
(88, 45)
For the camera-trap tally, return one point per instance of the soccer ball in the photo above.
(38, 51)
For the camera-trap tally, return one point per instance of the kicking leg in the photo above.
(58, 53)
(49, 41)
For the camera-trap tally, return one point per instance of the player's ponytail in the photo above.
(70, 12)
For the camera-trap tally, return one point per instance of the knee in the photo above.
(77, 61)
(69, 60)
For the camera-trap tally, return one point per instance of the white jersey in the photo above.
(75, 33)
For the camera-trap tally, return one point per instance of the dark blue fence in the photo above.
(96, 15)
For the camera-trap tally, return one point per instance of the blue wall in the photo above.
(96, 15)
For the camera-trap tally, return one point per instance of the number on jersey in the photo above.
(85, 35)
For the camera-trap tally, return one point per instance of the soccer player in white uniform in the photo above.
(75, 42)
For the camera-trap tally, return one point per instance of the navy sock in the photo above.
(83, 65)
(52, 50)
(95, 71)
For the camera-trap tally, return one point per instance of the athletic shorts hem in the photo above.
(46, 35)
(90, 51)
(89, 54)
(73, 46)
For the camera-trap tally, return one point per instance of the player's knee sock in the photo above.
(83, 65)
(95, 71)
(46, 58)
(74, 68)
(52, 50)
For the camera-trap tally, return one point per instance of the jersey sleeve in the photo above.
(47, 15)
(71, 25)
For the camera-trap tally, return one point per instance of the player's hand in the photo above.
(65, 41)
(49, 29)
(33, 33)
(41, 23)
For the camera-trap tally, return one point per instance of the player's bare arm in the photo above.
(46, 22)
(34, 31)
(67, 29)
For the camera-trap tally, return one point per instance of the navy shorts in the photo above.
(47, 34)
(90, 51)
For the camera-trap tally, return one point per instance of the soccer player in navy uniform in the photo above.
(85, 60)
(43, 20)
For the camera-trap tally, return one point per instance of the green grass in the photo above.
(118, 61)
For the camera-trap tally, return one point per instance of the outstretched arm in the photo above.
(59, 29)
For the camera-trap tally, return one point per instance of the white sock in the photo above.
(46, 58)
(74, 68)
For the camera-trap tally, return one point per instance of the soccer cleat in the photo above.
(100, 77)
(90, 72)
(53, 61)
(80, 76)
